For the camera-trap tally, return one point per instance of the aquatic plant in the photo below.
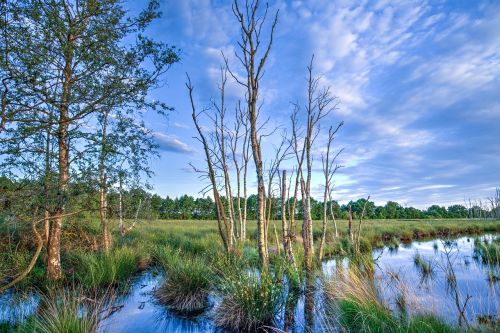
(68, 310)
(425, 266)
(353, 302)
(187, 282)
(249, 302)
(487, 252)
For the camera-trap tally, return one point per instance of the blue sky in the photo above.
(418, 84)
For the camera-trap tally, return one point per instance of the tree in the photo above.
(392, 210)
(319, 104)
(253, 60)
(329, 169)
(70, 59)
(222, 222)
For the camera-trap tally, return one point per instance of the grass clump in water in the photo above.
(64, 311)
(425, 266)
(488, 252)
(353, 301)
(249, 302)
(187, 282)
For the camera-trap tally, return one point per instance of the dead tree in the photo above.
(329, 169)
(253, 58)
(332, 214)
(349, 228)
(220, 136)
(240, 157)
(281, 152)
(222, 222)
(285, 229)
(358, 236)
(234, 138)
(320, 103)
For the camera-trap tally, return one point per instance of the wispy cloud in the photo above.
(170, 143)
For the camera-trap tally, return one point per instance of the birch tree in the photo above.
(70, 57)
(329, 169)
(252, 55)
(319, 104)
(210, 173)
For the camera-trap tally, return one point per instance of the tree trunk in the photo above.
(54, 271)
(333, 216)
(325, 219)
(121, 224)
(350, 226)
(103, 198)
(287, 243)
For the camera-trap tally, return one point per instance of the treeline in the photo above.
(188, 207)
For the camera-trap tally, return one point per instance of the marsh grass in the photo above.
(488, 252)
(67, 310)
(187, 282)
(424, 265)
(101, 270)
(250, 302)
(352, 300)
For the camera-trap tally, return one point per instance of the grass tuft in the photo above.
(249, 302)
(187, 282)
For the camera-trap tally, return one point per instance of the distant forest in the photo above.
(186, 207)
(152, 206)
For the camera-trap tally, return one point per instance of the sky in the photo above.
(418, 86)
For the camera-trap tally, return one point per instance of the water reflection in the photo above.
(459, 281)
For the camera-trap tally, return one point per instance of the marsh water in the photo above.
(395, 273)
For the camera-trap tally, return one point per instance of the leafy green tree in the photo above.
(457, 211)
(68, 59)
(437, 211)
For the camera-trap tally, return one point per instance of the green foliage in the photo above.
(369, 317)
(424, 265)
(428, 323)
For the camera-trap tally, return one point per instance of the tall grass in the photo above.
(65, 311)
(187, 282)
(100, 270)
(488, 252)
(352, 300)
(249, 302)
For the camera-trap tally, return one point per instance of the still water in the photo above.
(395, 273)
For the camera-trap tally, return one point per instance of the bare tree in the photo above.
(320, 103)
(285, 229)
(222, 222)
(361, 216)
(280, 154)
(220, 136)
(329, 169)
(253, 58)
(240, 160)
